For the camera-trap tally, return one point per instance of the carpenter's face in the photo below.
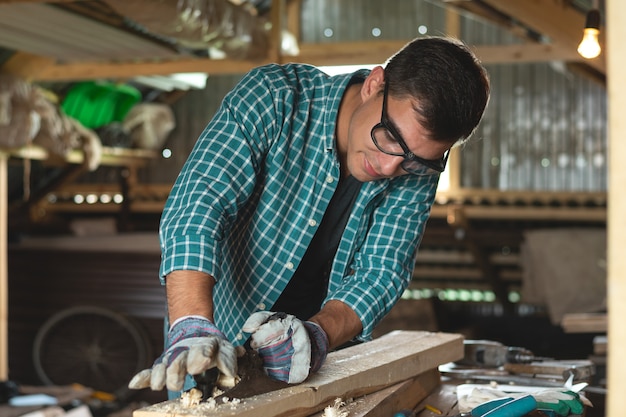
(391, 142)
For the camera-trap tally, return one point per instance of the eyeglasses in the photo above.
(388, 140)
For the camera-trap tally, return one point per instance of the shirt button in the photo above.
(239, 336)
(312, 222)
(289, 265)
(261, 306)
(330, 179)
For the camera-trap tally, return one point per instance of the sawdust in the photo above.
(190, 404)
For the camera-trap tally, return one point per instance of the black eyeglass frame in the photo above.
(437, 165)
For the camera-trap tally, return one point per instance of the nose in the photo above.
(390, 165)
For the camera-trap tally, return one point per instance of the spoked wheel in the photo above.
(91, 346)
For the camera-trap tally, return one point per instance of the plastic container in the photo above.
(95, 104)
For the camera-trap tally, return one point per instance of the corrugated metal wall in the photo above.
(359, 20)
(544, 129)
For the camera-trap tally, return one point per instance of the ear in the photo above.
(373, 84)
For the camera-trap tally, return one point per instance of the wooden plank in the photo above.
(584, 323)
(402, 396)
(348, 373)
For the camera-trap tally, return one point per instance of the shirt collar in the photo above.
(337, 88)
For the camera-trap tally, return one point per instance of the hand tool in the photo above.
(503, 407)
(253, 380)
(206, 382)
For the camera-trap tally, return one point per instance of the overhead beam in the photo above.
(341, 53)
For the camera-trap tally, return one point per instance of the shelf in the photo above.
(110, 156)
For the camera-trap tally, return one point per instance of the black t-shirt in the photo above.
(307, 289)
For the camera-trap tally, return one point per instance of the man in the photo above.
(307, 196)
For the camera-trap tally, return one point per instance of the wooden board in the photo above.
(388, 401)
(348, 373)
(585, 323)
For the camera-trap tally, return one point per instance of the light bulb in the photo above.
(589, 47)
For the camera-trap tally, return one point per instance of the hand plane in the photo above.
(252, 380)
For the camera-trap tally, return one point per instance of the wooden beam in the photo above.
(525, 53)
(616, 273)
(348, 373)
(26, 66)
(323, 54)
(124, 70)
(554, 214)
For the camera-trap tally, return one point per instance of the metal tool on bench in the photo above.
(493, 361)
(503, 407)
(492, 354)
(579, 370)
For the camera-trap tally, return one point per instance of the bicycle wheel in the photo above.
(91, 346)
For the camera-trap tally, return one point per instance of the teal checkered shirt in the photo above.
(254, 189)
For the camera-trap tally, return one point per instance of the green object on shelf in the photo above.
(95, 104)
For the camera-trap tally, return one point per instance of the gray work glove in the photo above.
(193, 345)
(290, 348)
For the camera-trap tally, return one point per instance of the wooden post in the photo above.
(278, 19)
(4, 284)
(293, 10)
(453, 28)
(616, 224)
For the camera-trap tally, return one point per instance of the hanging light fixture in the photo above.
(589, 47)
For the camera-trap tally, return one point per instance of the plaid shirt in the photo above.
(249, 199)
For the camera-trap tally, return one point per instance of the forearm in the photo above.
(189, 293)
(339, 321)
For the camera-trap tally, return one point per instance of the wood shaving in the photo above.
(335, 410)
(191, 398)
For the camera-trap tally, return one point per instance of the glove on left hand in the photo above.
(289, 347)
(194, 345)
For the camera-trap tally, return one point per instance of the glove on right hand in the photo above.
(291, 349)
(194, 345)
